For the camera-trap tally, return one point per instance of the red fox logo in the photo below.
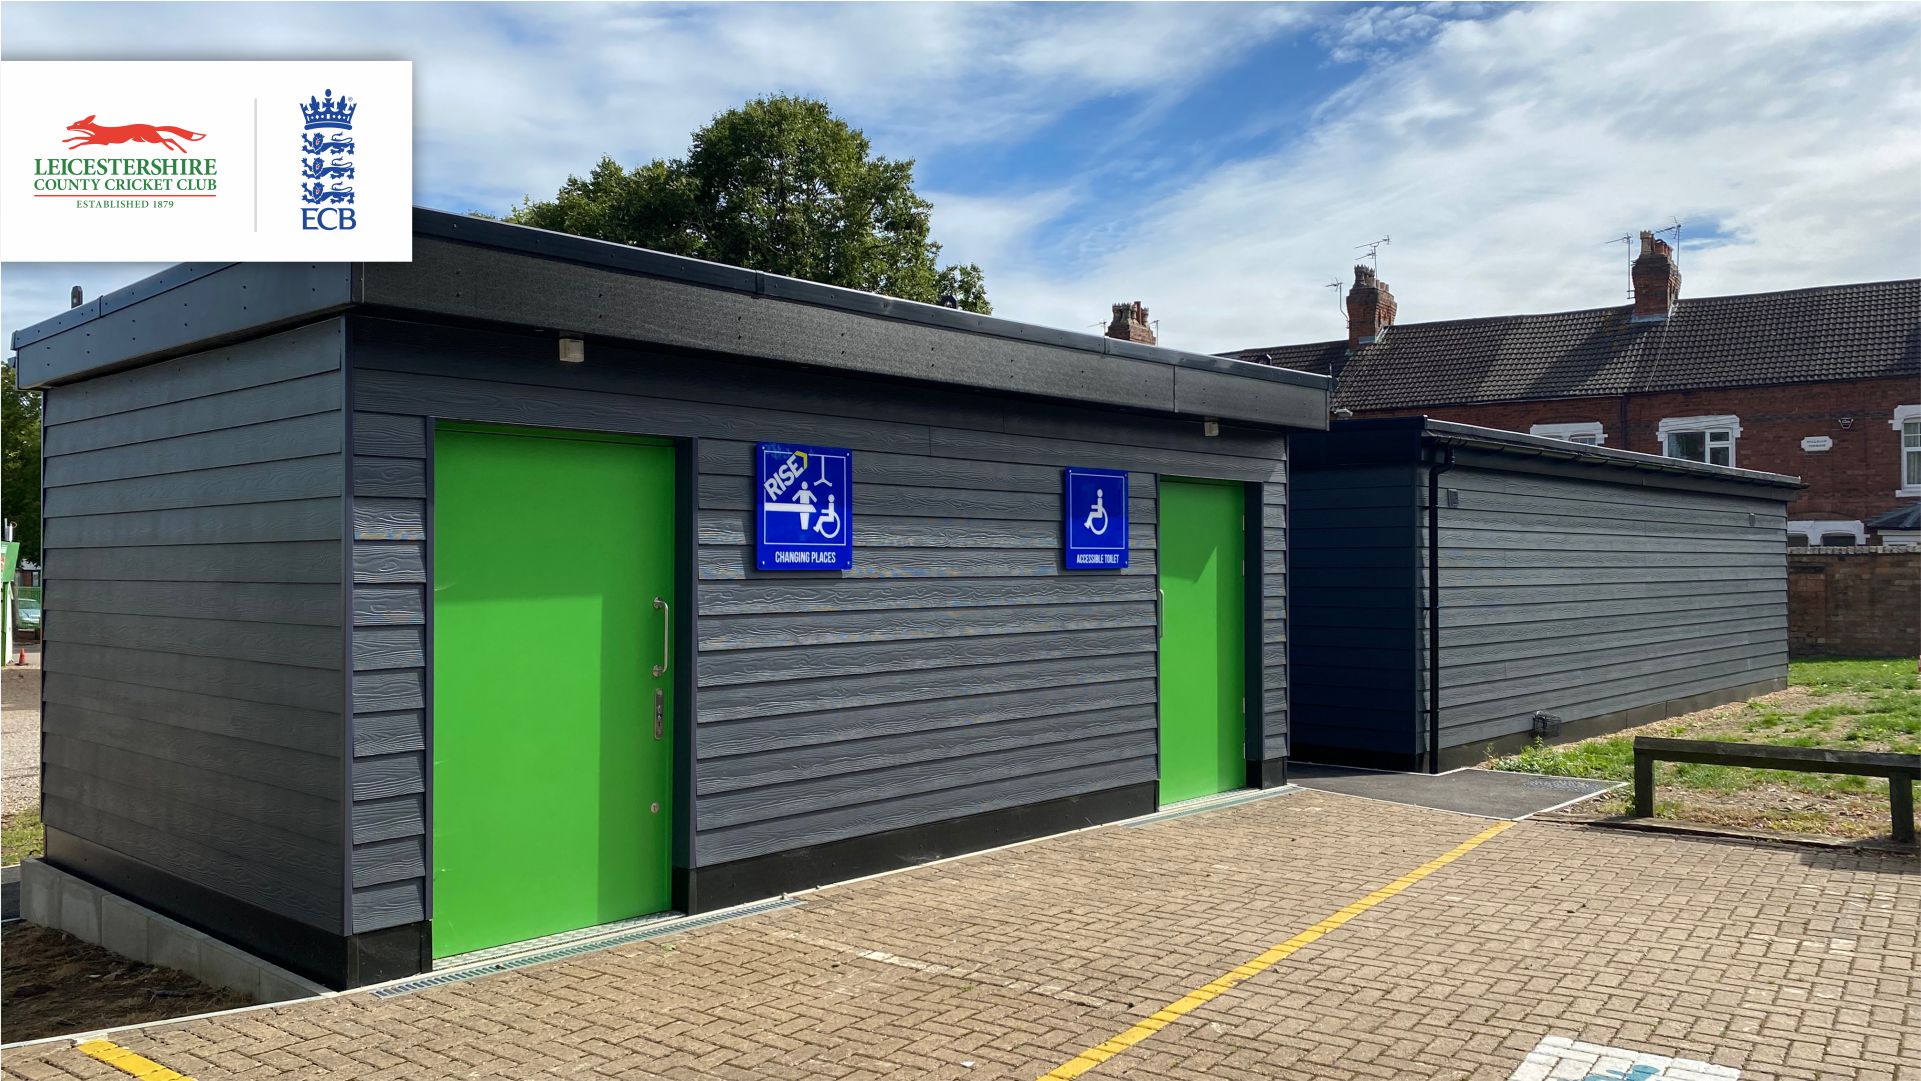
(92, 134)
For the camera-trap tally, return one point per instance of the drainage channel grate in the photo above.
(541, 957)
(1210, 803)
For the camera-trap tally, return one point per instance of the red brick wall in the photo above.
(1854, 602)
(1856, 479)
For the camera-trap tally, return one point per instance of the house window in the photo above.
(1826, 533)
(1907, 421)
(1589, 432)
(1701, 439)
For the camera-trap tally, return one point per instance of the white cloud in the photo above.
(1501, 156)
(991, 229)
(1499, 153)
(511, 98)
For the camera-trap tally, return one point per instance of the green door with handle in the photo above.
(553, 701)
(1202, 663)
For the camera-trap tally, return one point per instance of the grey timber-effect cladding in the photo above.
(239, 516)
(1601, 588)
(956, 669)
(192, 545)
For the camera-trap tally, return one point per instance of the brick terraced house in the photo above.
(1822, 383)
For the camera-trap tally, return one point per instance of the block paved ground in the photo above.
(1783, 962)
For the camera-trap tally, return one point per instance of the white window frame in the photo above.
(1903, 416)
(1722, 422)
(1814, 528)
(1570, 431)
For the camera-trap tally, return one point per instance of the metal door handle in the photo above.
(1160, 599)
(666, 637)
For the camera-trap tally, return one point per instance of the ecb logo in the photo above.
(327, 164)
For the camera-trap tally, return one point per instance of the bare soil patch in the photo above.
(52, 984)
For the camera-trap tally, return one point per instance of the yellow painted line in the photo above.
(127, 1062)
(1227, 981)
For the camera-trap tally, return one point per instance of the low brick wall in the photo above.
(1854, 602)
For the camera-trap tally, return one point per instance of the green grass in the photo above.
(1865, 705)
(1827, 677)
(22, 836)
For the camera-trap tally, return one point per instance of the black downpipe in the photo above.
(1434, 472)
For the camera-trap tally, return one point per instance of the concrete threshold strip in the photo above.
(1233, 978)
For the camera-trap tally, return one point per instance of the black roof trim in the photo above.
(150, 286)
(669, 300)
(603, 253)
(1454, 433)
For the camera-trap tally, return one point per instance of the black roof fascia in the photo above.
(185, 307)
(1380, 439)
(200, 305)
(528, 240)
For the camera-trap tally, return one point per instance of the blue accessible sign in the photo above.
(806, 500)
(1096, 525)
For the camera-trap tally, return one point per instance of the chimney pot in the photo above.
(1370, 308)
(1657, 279)
(1129, 324)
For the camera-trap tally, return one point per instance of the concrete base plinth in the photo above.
(53, 898)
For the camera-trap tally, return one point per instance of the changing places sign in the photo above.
(806, 500)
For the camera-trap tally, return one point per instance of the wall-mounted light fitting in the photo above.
(1210, 426)
(572, 350)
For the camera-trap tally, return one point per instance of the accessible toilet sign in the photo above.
(806, 500)
(1096, 526)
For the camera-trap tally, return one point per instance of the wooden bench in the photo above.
(1903, 771)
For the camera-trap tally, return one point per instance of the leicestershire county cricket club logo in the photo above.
(327, 164)
(118, 180)
(92, 134)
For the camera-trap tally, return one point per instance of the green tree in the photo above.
(780, 184)
(20, 462)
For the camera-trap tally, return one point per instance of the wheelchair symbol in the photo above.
(1098, 514)
(827, 517)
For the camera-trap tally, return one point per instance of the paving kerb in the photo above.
(1546, 930)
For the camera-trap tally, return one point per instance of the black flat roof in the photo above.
(472, 270)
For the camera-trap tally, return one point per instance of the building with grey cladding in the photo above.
(240, 502)
(1461, 591)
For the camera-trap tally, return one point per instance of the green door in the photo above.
(552, 728)
(1200, 551)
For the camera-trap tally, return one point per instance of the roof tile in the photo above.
(1824, 334)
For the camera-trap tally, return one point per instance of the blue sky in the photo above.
(1221, 163)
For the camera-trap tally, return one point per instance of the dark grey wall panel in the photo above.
(1356, 610)
(267, 562)
(195, 680)
(271, 441)
(956, 669)
(1577, 597)
(1574, 582)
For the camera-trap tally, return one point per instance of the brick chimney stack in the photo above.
(1130, 324)
(1657, 279)
(1370, 308)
